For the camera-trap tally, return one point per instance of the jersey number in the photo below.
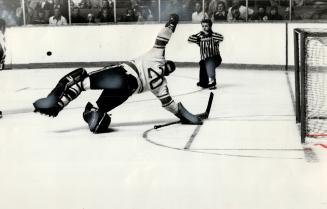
(156, 78)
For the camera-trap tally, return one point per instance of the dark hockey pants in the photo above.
(116, 84)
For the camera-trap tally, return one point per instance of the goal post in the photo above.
(310, 63)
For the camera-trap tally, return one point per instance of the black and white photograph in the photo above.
(163, 104)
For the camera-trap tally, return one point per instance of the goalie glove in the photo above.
(186, 117)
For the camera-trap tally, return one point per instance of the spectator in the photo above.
(106, 16)
(236, 14)
(208, 42)
(260, 15)
(85, 4)
(242, 10)
(57, 18)
(273, 14)
(199, 15)
(19, 16)
(153, 7)
(90, 18)
(46, 5)
(293, 15)
(76, 17)
(107, 4)
(144, 14)
(220, 14)
(186, 10)
(40, 17)
(213, 7)
(129, 16)
(172, 6)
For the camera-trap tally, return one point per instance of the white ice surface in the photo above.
(247, 155)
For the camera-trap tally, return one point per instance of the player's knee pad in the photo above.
(98, 121)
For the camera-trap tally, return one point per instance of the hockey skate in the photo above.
(67, 89)
(98, 121)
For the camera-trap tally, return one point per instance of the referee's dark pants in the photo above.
(208, 69)
(211, 64)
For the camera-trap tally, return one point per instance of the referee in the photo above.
(208, 42)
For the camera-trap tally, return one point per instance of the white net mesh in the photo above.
(316, 86)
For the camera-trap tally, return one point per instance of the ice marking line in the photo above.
(22, 89)
(146, 137)
(191, 139)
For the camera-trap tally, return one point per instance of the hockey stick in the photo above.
(203, 115)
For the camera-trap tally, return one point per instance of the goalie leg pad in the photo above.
(48, 106)
(186, 117)
(98, 121)
(67, 89)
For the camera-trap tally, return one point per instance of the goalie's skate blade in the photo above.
(47, 106)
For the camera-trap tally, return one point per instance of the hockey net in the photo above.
(312, 70)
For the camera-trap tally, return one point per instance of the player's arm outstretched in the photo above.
(158, 83)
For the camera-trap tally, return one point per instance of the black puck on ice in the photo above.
(49, 53)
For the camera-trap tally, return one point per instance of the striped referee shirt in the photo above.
(209, 43)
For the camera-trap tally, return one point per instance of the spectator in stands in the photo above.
(106, 4)
(106, 16)
(57, 18)
(293, 15)
(153, 7)
(186, 10)
(144, 14)
(242, 11)
(85, 4)
(29, 14)
(220, 14)
(260, 15)
(90, 18)
(273, 14)
(172, 6)
(46, 5)
(129, 16)
(213, 7)
(19, 16)
(198, 15)
(76, 17)
(39, 17)
(236, 15)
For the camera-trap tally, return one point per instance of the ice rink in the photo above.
(247, 155)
